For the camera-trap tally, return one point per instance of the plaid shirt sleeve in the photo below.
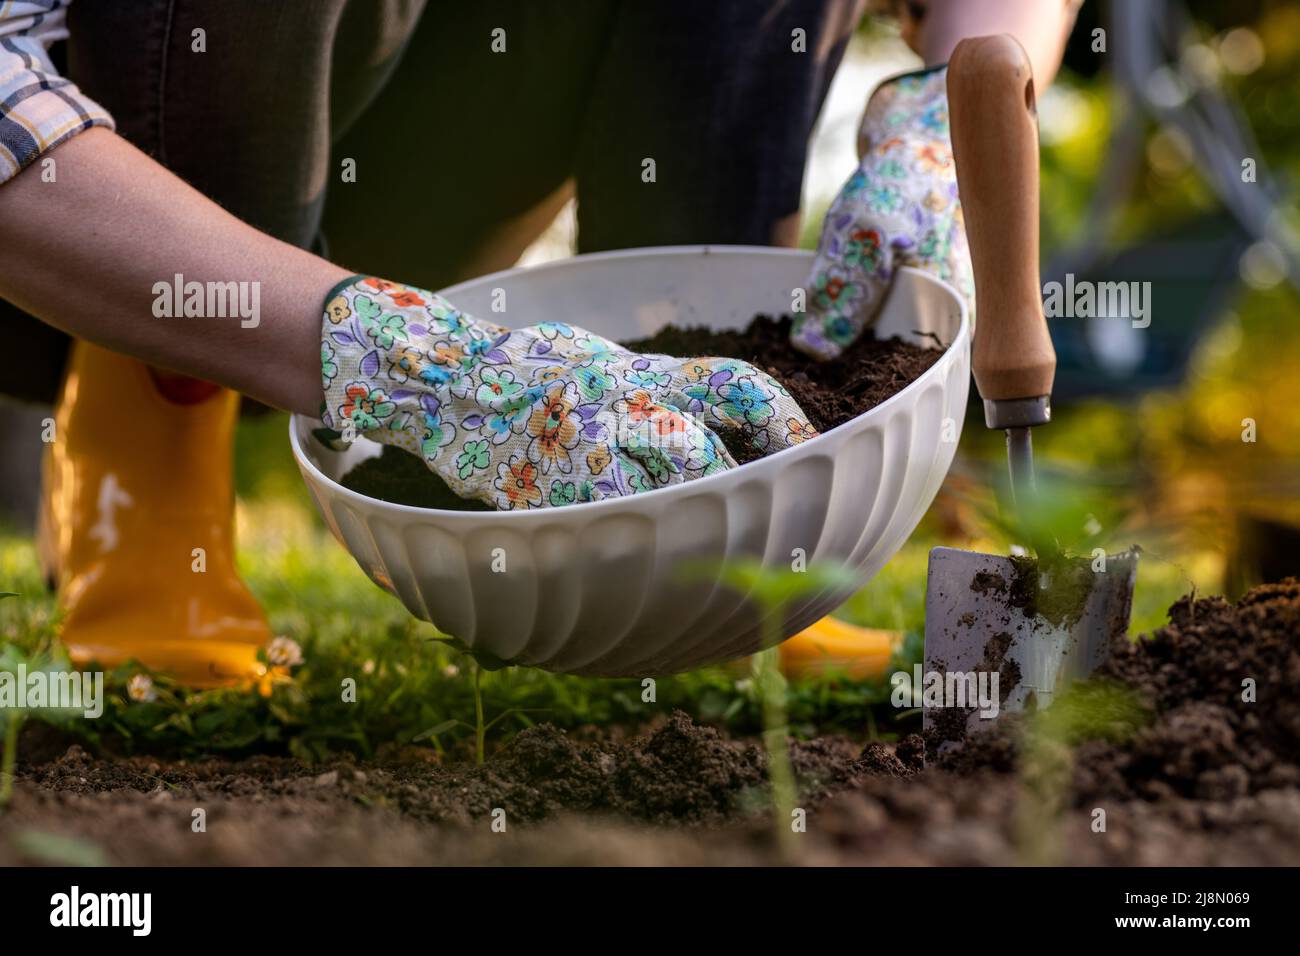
(38, 108)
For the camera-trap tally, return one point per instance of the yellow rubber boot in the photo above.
(832, 645)
(137, 523)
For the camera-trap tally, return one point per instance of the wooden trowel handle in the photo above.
(994, 127)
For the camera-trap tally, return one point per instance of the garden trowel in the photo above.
(1006, 634)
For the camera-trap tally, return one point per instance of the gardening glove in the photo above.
(899, 208)
(545, 415)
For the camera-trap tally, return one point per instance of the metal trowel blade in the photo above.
(977, 620)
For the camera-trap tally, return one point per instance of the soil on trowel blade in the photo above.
(830, 393)
(1057, 590)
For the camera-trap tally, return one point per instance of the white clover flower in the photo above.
(284, 652)
(140, 689)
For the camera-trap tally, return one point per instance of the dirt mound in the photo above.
(1220, 679)
(680, 772)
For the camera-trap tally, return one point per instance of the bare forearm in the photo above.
(1041, 26)
(86, 251)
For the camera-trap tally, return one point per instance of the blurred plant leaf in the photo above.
(441, 728)
(56, 849)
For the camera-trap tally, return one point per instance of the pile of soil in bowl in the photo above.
(1207, 776)
(830, 393)
(402, 478)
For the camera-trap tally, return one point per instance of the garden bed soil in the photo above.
(830, 393)
(1207, 774)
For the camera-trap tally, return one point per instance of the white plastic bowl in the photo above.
(598, 588)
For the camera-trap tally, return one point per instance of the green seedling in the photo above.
(772, 591)
(480, 726)
(13, 721)
(53, 666)
(1064, 517)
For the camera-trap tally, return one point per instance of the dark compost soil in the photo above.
(402, 478)
(830, 393)
(1207, 775)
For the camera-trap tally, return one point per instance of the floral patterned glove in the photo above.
(546, 415)
(899, 208)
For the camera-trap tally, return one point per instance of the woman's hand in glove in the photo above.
(899, 208)
(540, 416)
